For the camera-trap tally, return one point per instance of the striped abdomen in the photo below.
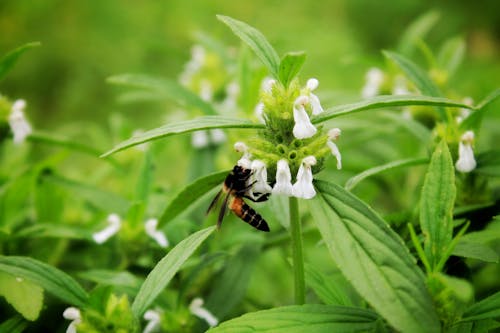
(248, 214)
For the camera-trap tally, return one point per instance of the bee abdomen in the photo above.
(248, 214)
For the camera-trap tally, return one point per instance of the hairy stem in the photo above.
(298, 259)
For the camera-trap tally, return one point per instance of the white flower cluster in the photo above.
(18, 123)
(115, 223)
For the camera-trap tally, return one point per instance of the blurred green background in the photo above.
(84, 42)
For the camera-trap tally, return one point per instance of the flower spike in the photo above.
(303, 128)
(303, 187)
(283, 184)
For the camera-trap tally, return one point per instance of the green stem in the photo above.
(298, 259)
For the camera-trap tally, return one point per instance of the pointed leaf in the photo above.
(328, 290)
(165, 270)
(25, 296)
(488, 163)
(165, 88)
(9, 60)
(13, 325)
(475, 251)
(190, 194)
(388, 101)
(290, 65)
(374, 259)
(451, 54)
(487, 308)
(417, 31)
(473, 121)
(256, 41)
(436, 205)
(353, 181)
(197, 124)
(302, 318)
(51, 279)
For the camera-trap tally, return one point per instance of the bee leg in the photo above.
(258, 197)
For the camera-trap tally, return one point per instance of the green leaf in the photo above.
(125, 280)
(330, 291)
(487, 308)
(13, 325)
(417, 31)
(374, 259)
(197, 124)
(387, 101)
(302, 318)
(436, 205)
(418, 76)
(164, 271)
(414, 127)
(451, 55)
(9, 60)
(353, 181)
(488, 163)
(54, 230)
(230, 287)
(50, 138)
(474, 120)
(25, 296)
(165, 88)
(190, 195)
(290, 65)
(256, 41)
(145, 180)
(475, 251)
(51, 279)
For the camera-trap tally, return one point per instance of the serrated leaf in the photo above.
(14, 325)
(256, 41)
(374, 259)
(302, 318)
(436, 205)
(290, 65)
(230, 287)
(51, 279)
(485, 309)
(419, 77)
(475, 251)
(417, 31)
(475, 118)
(165, 270)
(190, 194)
(25, 296)
(385, 101)
(328, 290)
(10, 59)
(353, 181)
(166, 89)
(197, 124)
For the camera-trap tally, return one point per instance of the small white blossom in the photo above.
(316, 107)
(196, 308)
(259, 176)
(373, 80)
(466, 161)
(399, 87)
(153, 318)
(199, 139)
(303, 127)
(114, 226)
(333, 135)
(303, 187)
(74, 315)
(217, 135)
(267, 85)
(152, 231)
(18, 123)
(283, 184)
(198, 56)
(244, 161)
(259, 112)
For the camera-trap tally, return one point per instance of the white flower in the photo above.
(333, 135)
(303, 187)
(399, 87)
(198, 55)
(74, 315)
(244, 161)
(153, 318)
(373, 80)
(267, 85)
(199, 139)
(283, 184)
(311, 85)
(152, 231)
(217, 135)
(303, 128)
(259, 176)
(115, 224)
(18, 123)
(466, 161)
(259, 112)
(196, 308)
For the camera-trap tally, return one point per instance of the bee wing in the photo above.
(214, 202)
(223, 209)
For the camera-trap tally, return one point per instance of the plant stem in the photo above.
(297, 257)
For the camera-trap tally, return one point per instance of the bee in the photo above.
(234, 189)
